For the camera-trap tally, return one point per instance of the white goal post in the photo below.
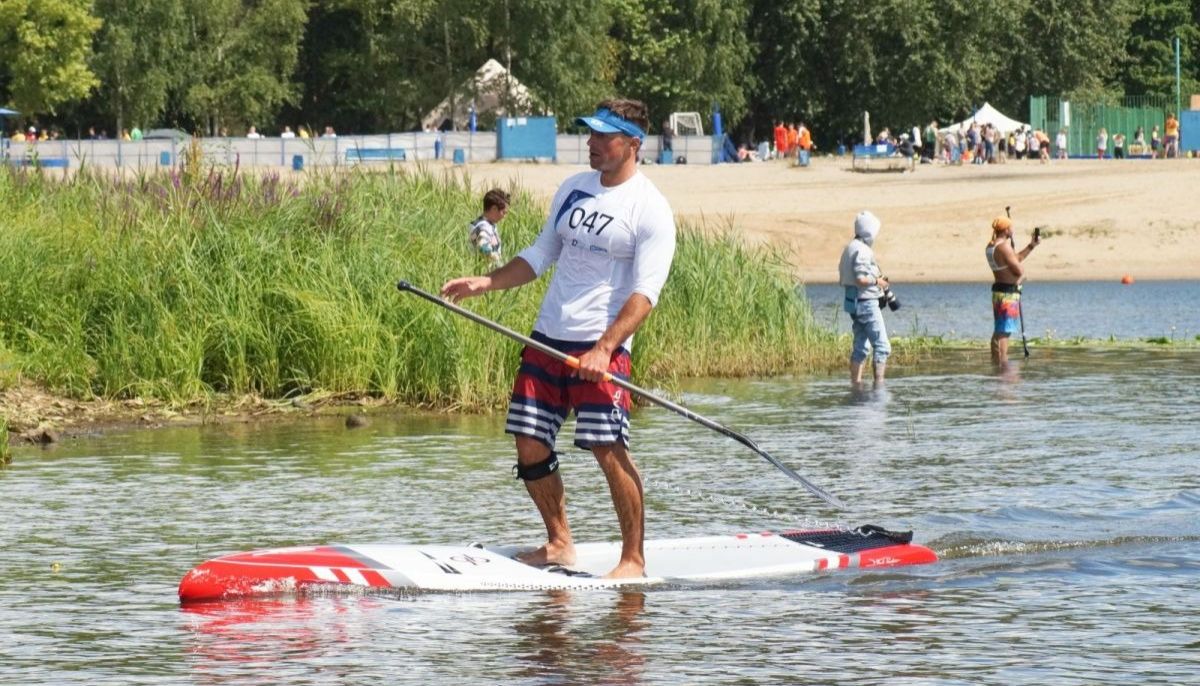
(687, 124)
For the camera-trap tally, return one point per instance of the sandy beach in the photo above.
(1101, 219)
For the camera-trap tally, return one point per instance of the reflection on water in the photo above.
(1064, 500)
(577, 642)
(554, 636)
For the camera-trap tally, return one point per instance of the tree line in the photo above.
(369, 66)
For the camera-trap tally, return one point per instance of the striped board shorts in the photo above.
(545, 392)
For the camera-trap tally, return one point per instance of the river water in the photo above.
(1062, 310)
(1064, 500)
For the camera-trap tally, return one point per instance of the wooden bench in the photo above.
(376, 155)
(879, 157)
(42, 162)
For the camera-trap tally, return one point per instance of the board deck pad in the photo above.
(477, 567)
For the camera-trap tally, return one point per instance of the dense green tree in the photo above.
(784, 86)
(1151, 47)
(561, 51)
(684, 54)
(1074, 48)
(137, 58)
(44, 51)
(903, 62)
(373, 65)
(381, 65)
(418, 52)
(239, 59)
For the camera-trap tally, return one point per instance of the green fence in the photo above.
(1083, 120)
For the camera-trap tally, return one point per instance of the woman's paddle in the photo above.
(663, 402)
(1020, 304)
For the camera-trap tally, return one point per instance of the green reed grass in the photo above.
(5, 451)
(178, 285)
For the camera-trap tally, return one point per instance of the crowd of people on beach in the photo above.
(986, 143)
(32, 134)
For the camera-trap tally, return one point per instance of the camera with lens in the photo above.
(889, 299)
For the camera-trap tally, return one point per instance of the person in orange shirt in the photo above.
(780, 139)
(1171, 137)
(805, 142)
(793, 137)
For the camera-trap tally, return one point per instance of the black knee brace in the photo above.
(537, 471)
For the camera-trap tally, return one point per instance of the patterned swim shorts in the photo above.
(1006, 309)
(546, 390)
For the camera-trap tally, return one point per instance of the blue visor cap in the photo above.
(607, 121)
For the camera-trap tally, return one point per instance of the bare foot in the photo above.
(627, 570)
(549, 554)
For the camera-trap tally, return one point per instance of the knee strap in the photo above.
(537, 471)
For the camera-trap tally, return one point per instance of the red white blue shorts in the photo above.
(546, 391)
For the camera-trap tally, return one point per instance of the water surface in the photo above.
(1064, 500)
(1063, 310)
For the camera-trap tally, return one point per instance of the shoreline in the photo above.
(37, 417)
(1104, 220)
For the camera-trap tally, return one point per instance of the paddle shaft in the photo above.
(572, 361)
(1020, 303)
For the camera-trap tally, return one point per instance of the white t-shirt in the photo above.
(609, 243)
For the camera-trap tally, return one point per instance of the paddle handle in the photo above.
(570, 360)
(1021, 306)
(406, 287)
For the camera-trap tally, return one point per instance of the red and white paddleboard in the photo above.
(477, 567)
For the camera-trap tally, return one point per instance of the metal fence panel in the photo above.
(148, 155)
(1083, 121)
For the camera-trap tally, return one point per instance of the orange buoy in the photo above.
(1127, 279)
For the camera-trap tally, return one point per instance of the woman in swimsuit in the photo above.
(1006, 288)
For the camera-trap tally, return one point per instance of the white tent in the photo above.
(987, 115)
(486, 92)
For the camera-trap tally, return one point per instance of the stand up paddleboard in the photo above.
(477, 567)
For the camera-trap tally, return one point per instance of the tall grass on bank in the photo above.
(731, 310)
(179, 284)
(5, 451)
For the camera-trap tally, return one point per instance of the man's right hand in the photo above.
(883, 283)
(466, 287)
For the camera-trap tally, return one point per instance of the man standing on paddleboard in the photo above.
(612, 234)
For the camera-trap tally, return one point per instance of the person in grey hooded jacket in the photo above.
(864, 284)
